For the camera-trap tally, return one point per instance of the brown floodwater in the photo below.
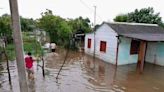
(83, 73)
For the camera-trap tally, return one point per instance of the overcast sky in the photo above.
(106, 9)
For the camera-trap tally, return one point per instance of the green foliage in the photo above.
(5, 28)
(121, 18)
(6, 34)
(5, 23)
(57, 27)
(145, 15)
(33, 47)
(30, 44)
(10, 51)
(80, 25)
(27, 24)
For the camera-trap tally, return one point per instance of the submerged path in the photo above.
(83, 74)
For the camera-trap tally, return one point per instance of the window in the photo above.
(89, 43)
(103, 46)
(134, 47)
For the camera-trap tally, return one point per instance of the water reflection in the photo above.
(103, 74)
(4, 83)
(31, 84)
(1, 74)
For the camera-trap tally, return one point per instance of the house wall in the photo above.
(86, 49)
(104, 33)
(124, 56)
(155, 53)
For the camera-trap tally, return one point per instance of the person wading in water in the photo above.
(53, 47)
(29, 65)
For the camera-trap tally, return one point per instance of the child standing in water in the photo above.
(29, 65)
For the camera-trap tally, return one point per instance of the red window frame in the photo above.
(103, 46)
(89, 43)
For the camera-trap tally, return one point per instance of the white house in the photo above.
(127, 43)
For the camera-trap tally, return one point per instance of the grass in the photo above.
(10, 50)
(29, 45)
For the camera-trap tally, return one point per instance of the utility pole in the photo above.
(18, 45)
(95, 15)
(94, 29)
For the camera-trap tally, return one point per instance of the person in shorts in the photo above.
(53, 47)
(29, 65)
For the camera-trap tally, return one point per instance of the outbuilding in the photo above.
(127, 43)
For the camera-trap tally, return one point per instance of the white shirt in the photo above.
(52, 45)
(47, 45)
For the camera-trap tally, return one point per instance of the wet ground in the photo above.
(81, 73)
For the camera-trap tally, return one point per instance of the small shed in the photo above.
(127, 43)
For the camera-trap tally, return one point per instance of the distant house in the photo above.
(127, 43)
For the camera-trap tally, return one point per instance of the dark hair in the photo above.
(29, 53)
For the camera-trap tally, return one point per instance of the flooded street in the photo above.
(81, 73)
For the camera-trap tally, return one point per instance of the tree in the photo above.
(27, 24)
(5, 28)
(57, 27)
(121, 18)
(60, 29)
(80, 25)
(145, 15)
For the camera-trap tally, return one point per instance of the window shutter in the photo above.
(89, 43)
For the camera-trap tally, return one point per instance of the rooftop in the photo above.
(147, 32)
(126, 23)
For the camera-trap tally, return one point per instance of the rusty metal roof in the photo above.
(147, 32)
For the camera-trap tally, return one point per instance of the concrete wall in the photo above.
(124, 56)
(89, 50)
(104, 33)
(155, 53)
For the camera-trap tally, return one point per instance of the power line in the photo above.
(86, 5)
(90, 9)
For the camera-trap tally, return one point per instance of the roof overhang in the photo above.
(146, 37)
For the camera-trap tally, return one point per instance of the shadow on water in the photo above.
(83, 74)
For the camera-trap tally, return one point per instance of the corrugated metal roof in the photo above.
(147, 32)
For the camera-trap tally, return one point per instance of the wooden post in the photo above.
(43, 67)
(141, 55)
(18, 45)
(118, 42)
(8, 67)
(42, 54)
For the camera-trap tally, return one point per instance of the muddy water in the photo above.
(82, 73)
